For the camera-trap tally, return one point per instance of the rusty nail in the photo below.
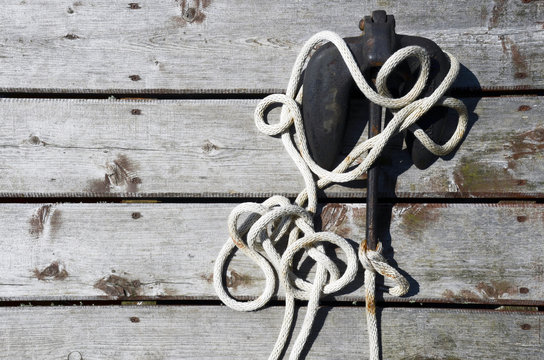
(362, 24)
(189, 14)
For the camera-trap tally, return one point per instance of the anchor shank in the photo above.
(374, 128)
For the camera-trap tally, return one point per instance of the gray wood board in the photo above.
(211, 148)
(213, 332)
(188, 46)
(451, 253)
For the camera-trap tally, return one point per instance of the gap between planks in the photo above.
(515, 307)
(257, 95)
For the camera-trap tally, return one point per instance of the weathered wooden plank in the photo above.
(208, 332)
(224, 46)
(451, 253)
(212, 148)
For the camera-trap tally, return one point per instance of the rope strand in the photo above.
(266, 225)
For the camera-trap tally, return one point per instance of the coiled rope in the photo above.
(257, 229)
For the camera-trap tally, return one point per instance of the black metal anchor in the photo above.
(328, 87)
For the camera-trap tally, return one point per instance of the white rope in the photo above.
(263, 226)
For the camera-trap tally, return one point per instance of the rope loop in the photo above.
(375, 262)
(285, 121)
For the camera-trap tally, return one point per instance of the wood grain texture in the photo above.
(234, 46)
(204, 332)
(209, 148)
(450, 253)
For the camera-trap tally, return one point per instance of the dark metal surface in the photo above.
(328, 87)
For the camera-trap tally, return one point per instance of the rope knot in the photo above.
(375, 262)
(258, 229)
(330, 280)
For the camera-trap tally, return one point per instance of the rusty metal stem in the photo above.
(374, 128)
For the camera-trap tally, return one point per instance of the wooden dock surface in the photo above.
(127, 137)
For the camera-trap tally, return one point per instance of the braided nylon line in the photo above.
(258, 229)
